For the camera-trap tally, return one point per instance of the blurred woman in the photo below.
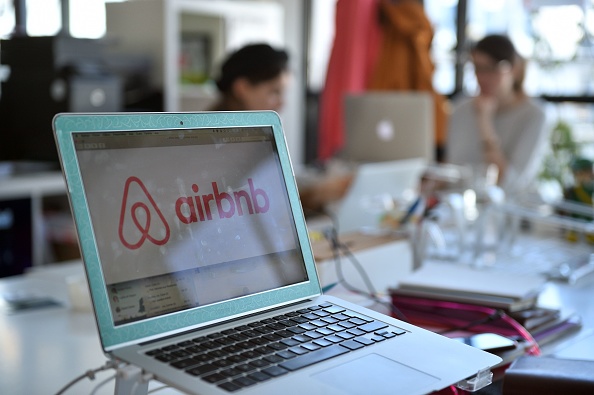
(255, 77)
(501, 125)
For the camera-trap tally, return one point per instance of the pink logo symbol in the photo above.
(140, 210)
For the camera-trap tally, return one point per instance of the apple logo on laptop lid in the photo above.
(384, 130)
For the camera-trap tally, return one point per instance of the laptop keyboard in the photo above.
(259, 351)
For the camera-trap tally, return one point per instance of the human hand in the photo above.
(485, 106)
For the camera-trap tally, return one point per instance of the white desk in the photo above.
(44, 349)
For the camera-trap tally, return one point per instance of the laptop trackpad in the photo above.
(381, 376)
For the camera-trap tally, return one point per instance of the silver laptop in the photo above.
(201, 272)
(386, 126)
(378, 187)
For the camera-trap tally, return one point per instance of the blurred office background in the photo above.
(161, 55)
(185, 40)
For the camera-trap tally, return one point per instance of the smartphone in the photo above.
(490, 342)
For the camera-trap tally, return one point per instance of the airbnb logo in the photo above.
(140, 215)
(198, 208)
(142, 220)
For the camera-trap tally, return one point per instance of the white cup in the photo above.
(78, 293)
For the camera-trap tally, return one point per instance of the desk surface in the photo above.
(42, 350)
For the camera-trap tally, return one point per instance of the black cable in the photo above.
(331, 235)
(337, 248)
(345, 249)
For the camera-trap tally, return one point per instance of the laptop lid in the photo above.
(386, 126)
(184, 219)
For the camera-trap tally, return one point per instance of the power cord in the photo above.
(101, 384)
(90, 374)
(123, 371)
(371, 293)
(331, 234)
(337, 248)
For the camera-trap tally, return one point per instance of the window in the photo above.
(556, 36)
(44, 18)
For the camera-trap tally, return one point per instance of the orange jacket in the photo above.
(404, 60)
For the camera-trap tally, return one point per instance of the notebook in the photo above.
(200, 269)
(386, 126)
(378, 187)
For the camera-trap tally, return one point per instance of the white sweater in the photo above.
(522, 135)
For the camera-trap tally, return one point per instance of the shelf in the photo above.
(45, 183)
(33, 210)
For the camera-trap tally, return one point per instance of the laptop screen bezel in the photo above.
(112, 336)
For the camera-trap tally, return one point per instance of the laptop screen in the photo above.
(187, 218)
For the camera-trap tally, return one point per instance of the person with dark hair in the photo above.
(254, 77)
(501, 125)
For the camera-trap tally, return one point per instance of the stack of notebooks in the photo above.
(442, 296)
(464, 284)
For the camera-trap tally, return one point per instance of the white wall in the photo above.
(160, 39)
(293, 115)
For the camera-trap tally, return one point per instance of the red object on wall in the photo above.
(352, 60)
